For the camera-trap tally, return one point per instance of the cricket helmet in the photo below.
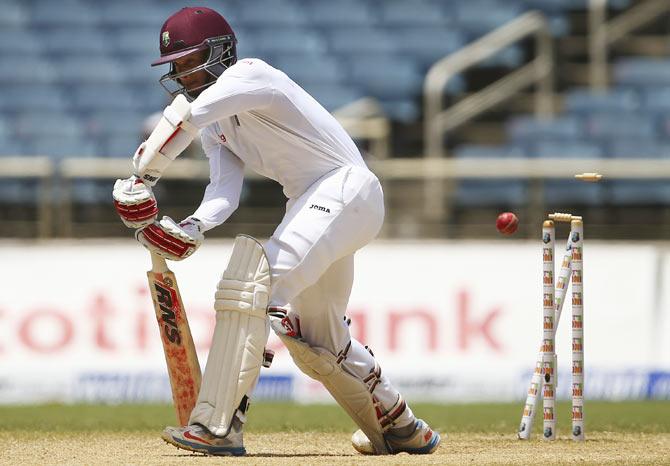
(191, 30)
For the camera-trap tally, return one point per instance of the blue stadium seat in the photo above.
(425, 45)
(138, 71)
(19, 42)
(71, 13)
(5, 130)
(565, 5)
(91, 192)
(567, 150)
(119, 147)
(362, 40)
(403, 110)
(39, 123)
(334, 96)
(246, 43)
(562, 192)
(642, 72)
(92, 70)
(605, 126)
(276, 13)
(91, 97)
(18, 191)
(587, 101)
(26, 70)
(344, 13)
(59, 147)
(13, 15)
(14, 147)
(132, 13)
(529, 128)
(638, 149)
(509, 57)
(16, 98)
(479, 17)
(118, 124)
(416, 13)
(490, 192)
(289, 40)
(636, 192)
(312, 69)
(151, 97)
(485, 151)
(386, 76)
(75, 41)
(135, 41)
(657, 100)
(570, 192)
(639, 192)
(559, 25)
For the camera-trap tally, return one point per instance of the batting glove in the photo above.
(172, 240)
(135, 202)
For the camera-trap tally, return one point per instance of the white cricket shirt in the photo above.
(255, 115)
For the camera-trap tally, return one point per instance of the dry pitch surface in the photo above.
(319, 448)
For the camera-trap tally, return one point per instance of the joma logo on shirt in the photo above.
(321, 208)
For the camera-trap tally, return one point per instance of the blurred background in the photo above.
(464, 108)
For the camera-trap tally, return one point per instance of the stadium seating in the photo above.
(626, 121)
(80, 72)
(506, 193)
(84, 56)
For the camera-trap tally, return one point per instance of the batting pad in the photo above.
(240, 335)
(348, 390)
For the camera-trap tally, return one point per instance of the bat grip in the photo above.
(158, 264)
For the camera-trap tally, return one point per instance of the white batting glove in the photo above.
(135, 202)
(172, 240)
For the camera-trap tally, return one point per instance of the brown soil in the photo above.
(321, 448)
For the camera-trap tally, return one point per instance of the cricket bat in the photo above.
(180, 356)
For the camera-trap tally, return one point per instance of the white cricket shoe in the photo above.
(420, 442)
(198, 439)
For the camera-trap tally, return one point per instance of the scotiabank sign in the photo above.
(455, 321)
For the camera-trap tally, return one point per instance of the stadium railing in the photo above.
(43, 170)
(439, 121)
(396, 169)
(603, 34)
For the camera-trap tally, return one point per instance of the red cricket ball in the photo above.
(507, 223)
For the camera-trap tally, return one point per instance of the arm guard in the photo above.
(170, 137)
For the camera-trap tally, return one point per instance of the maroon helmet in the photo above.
(191, 30)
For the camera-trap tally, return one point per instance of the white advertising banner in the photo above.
(447, 321)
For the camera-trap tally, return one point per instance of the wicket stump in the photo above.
(544, 379)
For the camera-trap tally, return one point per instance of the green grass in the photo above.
(648, 417)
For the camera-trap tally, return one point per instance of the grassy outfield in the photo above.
(625, 417)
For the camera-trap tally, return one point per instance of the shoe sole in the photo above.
(195, 448)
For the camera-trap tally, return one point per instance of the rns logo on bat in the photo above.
(168, 315)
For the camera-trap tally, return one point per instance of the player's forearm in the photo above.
(214, 212)
(173, 133)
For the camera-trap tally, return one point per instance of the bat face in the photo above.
(180, 356)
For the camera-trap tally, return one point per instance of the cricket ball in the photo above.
(507, 223)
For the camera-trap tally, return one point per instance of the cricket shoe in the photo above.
(422, 441)
(198, 439)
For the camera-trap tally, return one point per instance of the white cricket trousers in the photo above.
(311, 256)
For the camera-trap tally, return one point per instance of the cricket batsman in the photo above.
(298, 282)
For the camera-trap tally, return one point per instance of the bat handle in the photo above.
(158, 264)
